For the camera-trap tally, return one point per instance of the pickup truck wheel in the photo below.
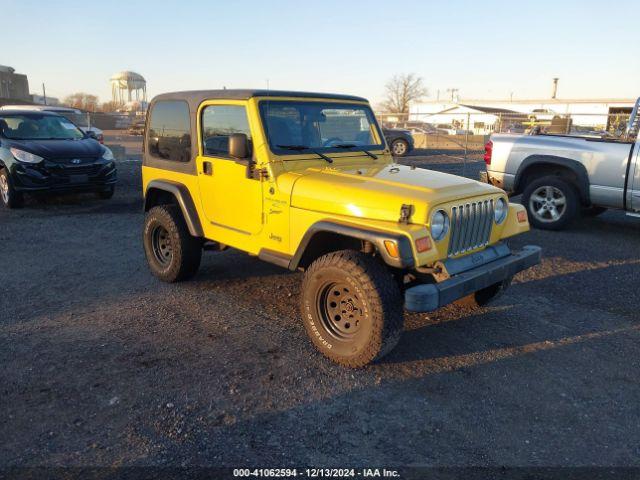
(172, 253)
(593, 211)
(551, 202)
(10, 198)
(351, 308)
(400, 148)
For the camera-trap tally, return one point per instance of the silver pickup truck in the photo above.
(562, 176)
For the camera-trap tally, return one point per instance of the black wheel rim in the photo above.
(162, 247)
(341, 311)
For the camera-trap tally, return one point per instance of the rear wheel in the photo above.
(400, 147)
(172, 253)
(351, 307)
(551, 202)
(10, 198)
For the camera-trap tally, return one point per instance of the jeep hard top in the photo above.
(306, 181)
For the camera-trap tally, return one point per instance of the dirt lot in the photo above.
(104, 365)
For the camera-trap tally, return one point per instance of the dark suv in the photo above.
(44, 152)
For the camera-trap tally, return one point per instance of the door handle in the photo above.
(207, 168)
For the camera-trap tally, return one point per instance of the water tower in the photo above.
(128, 87)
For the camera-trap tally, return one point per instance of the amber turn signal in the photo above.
(522, 216)
(392, 248)
(423, 244)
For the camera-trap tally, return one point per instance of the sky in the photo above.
(486, 49)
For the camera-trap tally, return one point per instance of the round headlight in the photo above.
(439, 225)
(500, 212)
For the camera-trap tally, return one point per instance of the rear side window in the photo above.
(169, 135)
(220, 121)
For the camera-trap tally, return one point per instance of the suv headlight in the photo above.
(107, 154)
(500, 211)
(439, 225)
(25, 157)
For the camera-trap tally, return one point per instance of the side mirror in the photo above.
(91, 134)
(239, 146)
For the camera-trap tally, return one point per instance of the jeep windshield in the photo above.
(35, 126)
(295, 127)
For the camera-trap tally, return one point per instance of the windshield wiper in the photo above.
(351, 145)
(300, 148)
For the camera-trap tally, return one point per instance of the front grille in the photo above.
(68, 170)
(470, 226)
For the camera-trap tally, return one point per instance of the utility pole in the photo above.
(44, 93)
(555, 88)
(454, 92)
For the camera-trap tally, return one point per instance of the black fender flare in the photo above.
(573, 165)
(376, 237)
(184, 200)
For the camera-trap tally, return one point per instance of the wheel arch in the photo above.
(536, 166)
(162, 192)
(328, 236)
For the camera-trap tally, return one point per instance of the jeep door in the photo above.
(229, 199)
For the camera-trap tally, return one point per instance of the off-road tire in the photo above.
(107, 194)
(572, 202)
(402, 147)
(165, 223)
(486, 296)
(376, 310)
(8, 196)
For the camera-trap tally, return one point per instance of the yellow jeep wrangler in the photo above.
(307, 182)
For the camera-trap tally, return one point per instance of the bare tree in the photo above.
(401, 90)
(82, 100)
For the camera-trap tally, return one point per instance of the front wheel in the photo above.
(172, 253)
(10, 198)
(486, 295)
(351, 308)
(551, 202)
(400, 148)
(108, 193)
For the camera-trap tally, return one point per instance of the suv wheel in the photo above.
(108, 193)
(351, 308)
(400, 147)
(10, 198)
(172, 253)
(485, 296)
(551, 202)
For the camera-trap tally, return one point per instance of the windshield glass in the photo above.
(292, 126)
(38, 127)
(80, 119)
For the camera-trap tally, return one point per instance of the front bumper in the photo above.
(470, 274)
(50, 177)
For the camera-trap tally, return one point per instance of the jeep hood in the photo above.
(378, 192)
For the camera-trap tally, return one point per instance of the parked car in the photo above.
(400, 141)
(78, 117)
(45, 152)
(321, 194)
(136, 128)
(560, 175)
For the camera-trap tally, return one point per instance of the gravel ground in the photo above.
(104, 365)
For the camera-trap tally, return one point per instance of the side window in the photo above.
(220, 121)
(170, 131)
